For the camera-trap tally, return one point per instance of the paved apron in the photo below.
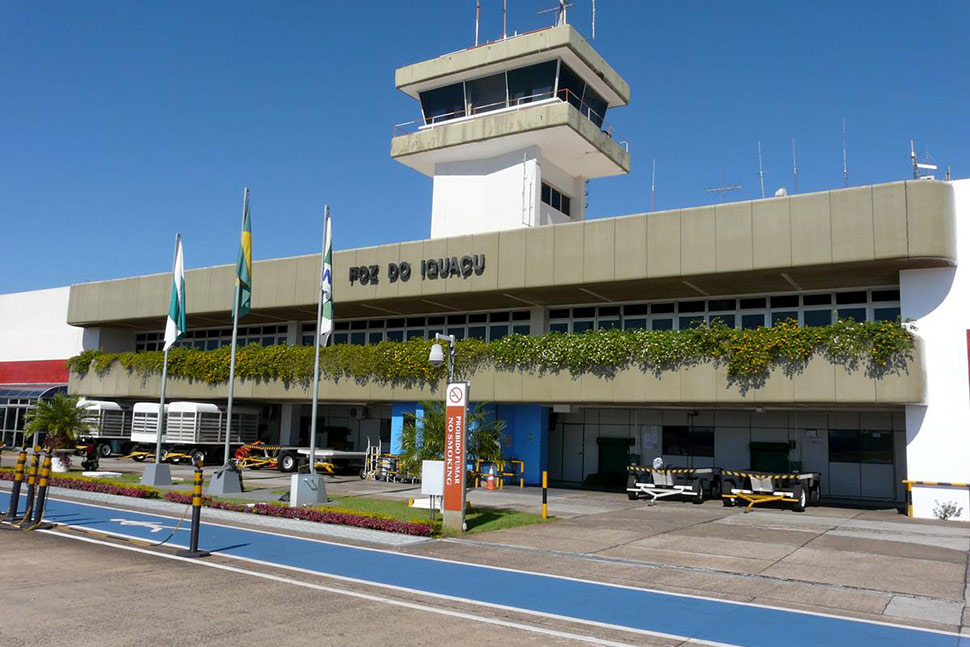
(624, 607)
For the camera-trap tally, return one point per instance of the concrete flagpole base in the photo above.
(307, 489)
(227, 480)
(157, 474)
(453, 520)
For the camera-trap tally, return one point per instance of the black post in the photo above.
(193, 550)
(18, 479)
(45, 475)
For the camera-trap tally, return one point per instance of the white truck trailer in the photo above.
(197, 429)
(109, 426)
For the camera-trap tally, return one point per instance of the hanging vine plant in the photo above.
(748, 355)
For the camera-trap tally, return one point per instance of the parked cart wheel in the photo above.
(633, 496)
(815, 495)
(729, 502)
(802, 498)
(287, 462)
(698, 497)
(104, 450)
(138, 457)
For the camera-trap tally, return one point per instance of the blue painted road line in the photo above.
(627, 608)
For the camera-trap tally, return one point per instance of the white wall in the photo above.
(938, 433)
(499, 193)
(33, 326)
(493, 194)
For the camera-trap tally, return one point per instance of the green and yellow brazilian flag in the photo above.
(244, 265)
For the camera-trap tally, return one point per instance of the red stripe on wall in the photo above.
(41, 371)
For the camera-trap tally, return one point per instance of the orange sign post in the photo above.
(456, 415)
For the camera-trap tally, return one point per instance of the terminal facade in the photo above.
(510, 132)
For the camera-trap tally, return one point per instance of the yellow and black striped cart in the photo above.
(800, 489)
(695, 483)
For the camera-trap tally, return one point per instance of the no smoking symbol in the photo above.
(455, 395)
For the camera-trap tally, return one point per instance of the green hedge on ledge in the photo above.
(749, 355)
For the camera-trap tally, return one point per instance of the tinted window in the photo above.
(570, 86)
(692, 306)
(850, 297)
(532, 83)
(443, 103)
(637, 309)
(750, 304)
(818, 317)
(595, 107)
(885, 295)
(885, 314)
(662, 308)
(780, 317)
(486, 93)
(750, 322)
(856, 314)
(663, 324)
(817, 299)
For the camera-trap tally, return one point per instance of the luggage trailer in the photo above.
(800, 489)
(109, 426)
(696, 483)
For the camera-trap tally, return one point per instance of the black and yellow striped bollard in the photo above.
(193, 550)
(32, 474)
(18, 480)
(545, 486)
(45, 478)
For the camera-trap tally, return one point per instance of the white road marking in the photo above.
(364, 596)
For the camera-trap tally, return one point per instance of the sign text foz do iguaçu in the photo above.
(431, 268)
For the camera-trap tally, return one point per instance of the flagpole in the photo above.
(232, 356)
(316, 351)
(160, 427)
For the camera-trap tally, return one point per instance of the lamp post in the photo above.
(456, 431)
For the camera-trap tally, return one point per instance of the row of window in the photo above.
(845, 446)
(486, 326)
(820, 309)
(212, 338)
(555, 199)
(512, 88)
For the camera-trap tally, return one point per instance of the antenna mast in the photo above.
(505, 19)
(653, 186)
(478, 10)
(794, 164)
(761, 173)
(919, 169)
(594, 21)
(845, 159)
(561, 10)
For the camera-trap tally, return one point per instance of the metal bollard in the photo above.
(545, 485)
(45, 476)
(32, 474)
(193, 550)
(18, 480)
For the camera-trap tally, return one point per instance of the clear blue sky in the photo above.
(123, 122)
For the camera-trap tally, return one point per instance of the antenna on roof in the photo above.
(794, 164)
(505, 19)
(721, 193)
(845, 162)
(594, 21)
(653, 186)
(478, 11)
(920, 169)
(761, 172)
(561, 10)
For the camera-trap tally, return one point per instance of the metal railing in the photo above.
(513, 105)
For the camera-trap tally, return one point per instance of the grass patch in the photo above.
(487, 519)
(390, 508)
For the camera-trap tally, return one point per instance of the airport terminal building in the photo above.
(510, 132)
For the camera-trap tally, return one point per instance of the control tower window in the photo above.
(577, 92)
(555, 199)
(444, 103)
(532, 83)
(487, 93)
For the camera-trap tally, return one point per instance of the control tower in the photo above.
(511, 130)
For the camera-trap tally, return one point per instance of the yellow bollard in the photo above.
(545, 486)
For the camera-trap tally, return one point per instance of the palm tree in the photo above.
(426, 441)
(60, 418)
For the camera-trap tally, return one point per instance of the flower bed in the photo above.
(311, 514)
(95, 485)
(338, 517)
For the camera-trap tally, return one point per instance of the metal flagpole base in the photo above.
(157, 474)
(193, 553)
(227, 480)
(307, 489)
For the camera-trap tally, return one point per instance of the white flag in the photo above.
(175, 326)
(326, 283)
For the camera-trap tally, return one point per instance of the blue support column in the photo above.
(527, 426)
(398, 409)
